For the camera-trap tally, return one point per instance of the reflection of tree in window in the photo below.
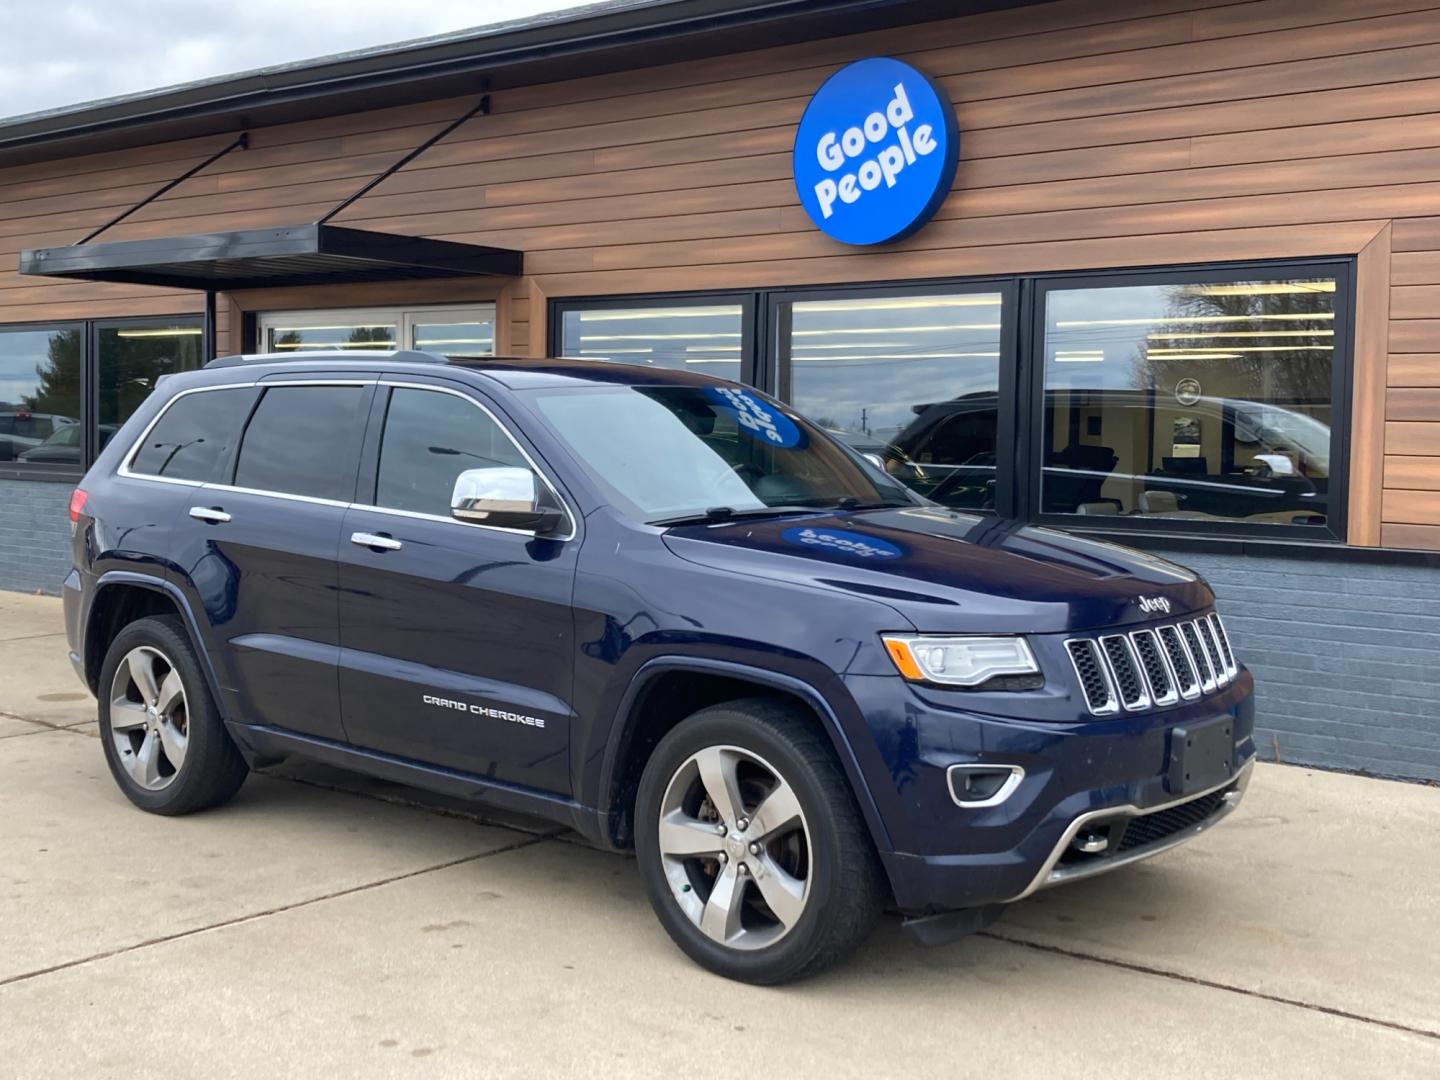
(57, 388)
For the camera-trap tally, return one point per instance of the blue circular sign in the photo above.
(756, 417)
(875, 152)
(852, 545)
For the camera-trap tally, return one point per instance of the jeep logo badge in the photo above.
(1154, 603)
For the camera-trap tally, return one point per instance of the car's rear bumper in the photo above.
(1103, 785)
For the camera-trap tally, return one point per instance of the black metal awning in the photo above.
(314, 254)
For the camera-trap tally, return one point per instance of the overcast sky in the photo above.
(62, 52)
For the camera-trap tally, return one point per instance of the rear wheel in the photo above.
(164, 740)
(756, 858)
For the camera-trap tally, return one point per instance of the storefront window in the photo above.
(40, 403)
(912, 381)
(1190, 401)
(449, 330)
(130, 358)
(704, 337)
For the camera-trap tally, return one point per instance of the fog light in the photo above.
(976, 786)
(1091, 843)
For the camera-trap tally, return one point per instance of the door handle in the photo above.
(374, 540)
(212, 514)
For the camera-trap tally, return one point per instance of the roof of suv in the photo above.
(514, 372)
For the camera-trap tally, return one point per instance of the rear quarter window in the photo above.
(196, 436)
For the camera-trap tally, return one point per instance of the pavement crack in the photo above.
(252, 916)
(73, 726)
(1211, 984)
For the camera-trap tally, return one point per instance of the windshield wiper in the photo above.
(716, 514)
(851, 503)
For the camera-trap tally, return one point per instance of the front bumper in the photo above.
(1094, 779)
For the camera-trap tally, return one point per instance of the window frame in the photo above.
(1030, 402)
(777, 372)
(1020, 419)
(749, 302)
(89, 388)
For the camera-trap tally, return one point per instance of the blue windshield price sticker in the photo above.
(875, 152)
(755, 417)
(843, 542)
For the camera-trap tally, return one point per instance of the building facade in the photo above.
(1182, 291)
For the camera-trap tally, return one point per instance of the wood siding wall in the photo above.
(1095, 134)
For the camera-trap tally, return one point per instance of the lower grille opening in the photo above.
(1151, 828)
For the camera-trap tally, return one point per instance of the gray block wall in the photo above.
(34, 535)
(1346, 658)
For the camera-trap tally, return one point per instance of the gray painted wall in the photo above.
(34, 535)
(1346, 659)
(1346, 656)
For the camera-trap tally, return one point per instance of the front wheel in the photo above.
(755, 856)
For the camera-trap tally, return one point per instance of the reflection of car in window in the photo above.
(1125, 452)
(22, 430)
(64, 446)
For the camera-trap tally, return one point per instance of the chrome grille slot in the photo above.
(1094, 678)
(1152, 663)
(1212, 651)
(1180, 666)
(1125, 672)
(1197, 657)
(1223, 639)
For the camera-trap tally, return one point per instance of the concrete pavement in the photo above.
(322, 926)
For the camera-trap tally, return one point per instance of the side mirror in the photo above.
(505, 497)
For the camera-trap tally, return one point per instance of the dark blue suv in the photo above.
(661, 609)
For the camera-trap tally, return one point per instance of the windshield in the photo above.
(666, 452)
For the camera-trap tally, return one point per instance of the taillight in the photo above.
(77, 504)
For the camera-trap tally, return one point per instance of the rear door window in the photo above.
(196, 436)
(302, 440)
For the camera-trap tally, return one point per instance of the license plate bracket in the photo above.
(1202, 755)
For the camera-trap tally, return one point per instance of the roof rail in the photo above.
(404, 356)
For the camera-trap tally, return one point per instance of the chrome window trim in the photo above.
(1049, 875)
(1112, 704)
(1145, 701)
(1170, 698)
(1006, 789)
(125, 471)
(570, 515)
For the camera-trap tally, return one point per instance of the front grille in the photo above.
(1150, 828)
(1157, 666)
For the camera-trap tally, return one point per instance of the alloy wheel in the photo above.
(149, 721)
(735, 847)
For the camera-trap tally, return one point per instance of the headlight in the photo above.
(959, 661)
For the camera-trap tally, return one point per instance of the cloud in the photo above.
(61, 53)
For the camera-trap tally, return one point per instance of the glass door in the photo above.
(912, 378)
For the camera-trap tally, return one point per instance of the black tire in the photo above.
(845, 884)
(212, 769)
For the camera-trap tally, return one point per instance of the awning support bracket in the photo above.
(242, 142)
(481, 108)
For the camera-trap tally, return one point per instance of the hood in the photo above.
(952, 572)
